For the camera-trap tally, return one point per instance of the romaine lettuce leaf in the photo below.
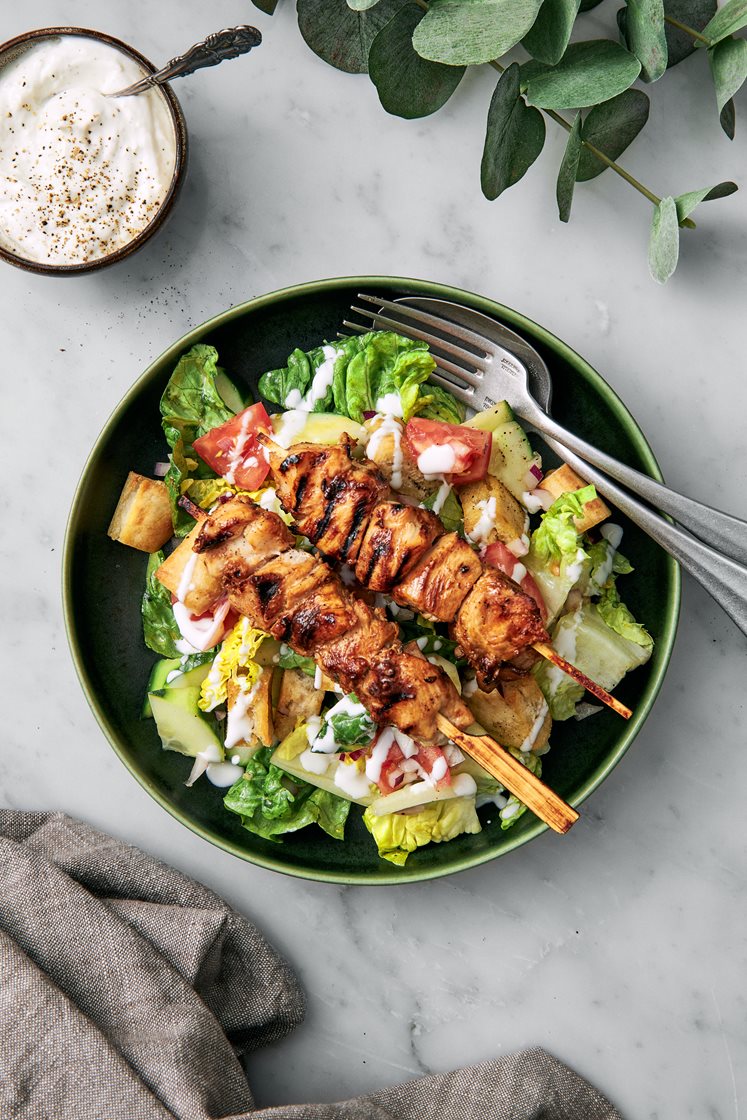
(277, 384)
(270, 805)
(287, 659)
(620, 619)
(451, 513)
(398, 834)
(600, 571)
(556, 538)
(190, 406)
(366, 368)
(350, 724)
(597, 649)
(160, 630)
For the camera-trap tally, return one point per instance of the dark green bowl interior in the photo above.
(103, 583)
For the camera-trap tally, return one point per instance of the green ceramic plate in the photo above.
(103, 583)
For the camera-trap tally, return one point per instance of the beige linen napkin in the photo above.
(127, 992)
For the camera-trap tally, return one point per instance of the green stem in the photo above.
(653, 198)
(688, 30)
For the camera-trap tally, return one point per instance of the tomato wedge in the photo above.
(233, 450)
(465, 455)
(433, 761)
(502, 558)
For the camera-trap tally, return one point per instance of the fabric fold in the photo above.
(128, 992)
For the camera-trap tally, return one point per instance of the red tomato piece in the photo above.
(502, 558)
(430, 758)
(390, 777)
(469, 448)
(233, 450)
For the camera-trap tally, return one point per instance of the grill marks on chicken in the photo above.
(297, 598)
(332, 503)
(438, 583)
(397, 535)
(405, 551)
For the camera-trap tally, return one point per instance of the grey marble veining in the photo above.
(621, 948)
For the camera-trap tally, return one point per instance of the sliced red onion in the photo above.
(536, 471)
(161, 470)
(369, 413)
(533, 477)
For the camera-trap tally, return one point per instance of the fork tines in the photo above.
(460, 376)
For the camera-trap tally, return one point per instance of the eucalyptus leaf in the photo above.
(568, 171)
(408, 85)
(266, 6)
(341, 36)
(514, 138)
(644, 33)
(732, 17)
(728, 61)
(551, 33)
(694, 14)
(361, 5)
(728, 119)
(686, 203)
(664, 245)
(588, 73)
(611, 127)
(468, 32)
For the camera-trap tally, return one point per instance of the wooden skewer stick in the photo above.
(586, 682)
(512, 774)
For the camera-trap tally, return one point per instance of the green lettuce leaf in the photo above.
(451, 514)
(435, 403)
(287, 659)
(366, 368)
(597, 649)
(513, 809)
(270, 805)
(160, 630)
(556, 538)
(398, 834)
(277, 384)
(620, 619)
(190, 406)
(350, 727)
(598, 557)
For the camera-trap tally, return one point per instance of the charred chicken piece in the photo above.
(347, 657)
(437, 584)
(238, 536)
(495, 623)
(329, 496)
(396, 537)
(296, 598)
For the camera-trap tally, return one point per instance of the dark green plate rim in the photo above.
(519, 322)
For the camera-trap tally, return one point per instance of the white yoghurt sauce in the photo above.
(81, 173)
(320, 383)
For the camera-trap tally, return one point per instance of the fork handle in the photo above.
(723, 578)
(725, 533)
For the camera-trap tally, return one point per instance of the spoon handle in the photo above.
(722, 531)
(228, 43)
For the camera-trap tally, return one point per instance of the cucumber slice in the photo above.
(320, 427)
(157, 679)
(293, 767)
(491, 418)
(229, 393)
(191, 678)
(512, 457)
(410, 797)
(180, 723)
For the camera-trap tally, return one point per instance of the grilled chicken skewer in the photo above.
(248, 554)
(346, 508)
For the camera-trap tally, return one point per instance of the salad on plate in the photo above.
(329, 573)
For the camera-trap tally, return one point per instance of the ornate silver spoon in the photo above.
(229, 43)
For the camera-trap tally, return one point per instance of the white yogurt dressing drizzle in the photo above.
(240, 721)
(536, 727)
(199, 634)
(389, 426)
(351, 780)
(186, 583)
(289, 426)
(564, 643)
(485, 525)
(320, 384)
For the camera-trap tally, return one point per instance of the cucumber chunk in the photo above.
(491, 418)
(229, 393)
(512, 457)
(180, 723)
(157, 679)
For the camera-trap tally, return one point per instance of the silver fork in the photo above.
(481, 362)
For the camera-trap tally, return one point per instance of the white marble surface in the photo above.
(620, 948)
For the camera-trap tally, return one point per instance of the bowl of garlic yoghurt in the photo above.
(85, 178)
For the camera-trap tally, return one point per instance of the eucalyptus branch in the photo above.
(688, 30)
